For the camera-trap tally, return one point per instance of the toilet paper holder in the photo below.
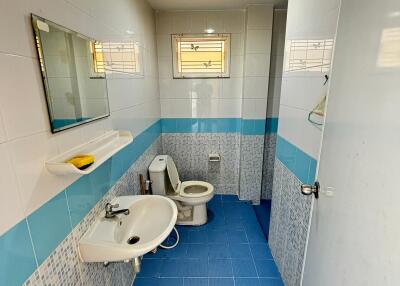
(214, 158)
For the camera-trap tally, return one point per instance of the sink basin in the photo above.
(124, 237)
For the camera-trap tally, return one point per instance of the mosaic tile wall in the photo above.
(268, 166)
(251, 167)
(63, 266)
(290, 216)
(190, 153)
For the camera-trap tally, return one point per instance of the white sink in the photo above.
(151, 219)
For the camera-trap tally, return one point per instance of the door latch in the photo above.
(311, 189)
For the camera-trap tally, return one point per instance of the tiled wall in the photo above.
(40, 209)
(259, 21)
(298, 140)
(274, 94)
(210, 106)
(63, 266)
(201, 98)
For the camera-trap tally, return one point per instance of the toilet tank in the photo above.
(158, 175)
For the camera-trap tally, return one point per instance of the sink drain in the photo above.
(133, 240)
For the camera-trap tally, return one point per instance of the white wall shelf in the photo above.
(102, 148)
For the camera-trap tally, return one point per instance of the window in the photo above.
(309, 55)
(116, 57)
(201, 56)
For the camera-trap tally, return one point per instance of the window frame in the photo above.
(176, 74)
(116, 73)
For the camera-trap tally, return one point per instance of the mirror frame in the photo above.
(46, 87)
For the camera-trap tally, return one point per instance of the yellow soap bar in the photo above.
(81, 161)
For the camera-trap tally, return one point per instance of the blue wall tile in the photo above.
(297, 161)
(17, 261)
(82, 197)
(49, 225)
(219, 125)
(271, 125)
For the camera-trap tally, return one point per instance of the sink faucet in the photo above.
(110, 213)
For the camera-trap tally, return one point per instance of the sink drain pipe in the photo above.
(173, 245)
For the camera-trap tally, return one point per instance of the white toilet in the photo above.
(190, 196)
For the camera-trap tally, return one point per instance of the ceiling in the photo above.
(210, 4)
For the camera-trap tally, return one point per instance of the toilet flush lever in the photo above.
(311, 189)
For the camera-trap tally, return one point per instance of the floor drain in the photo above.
(133, 240)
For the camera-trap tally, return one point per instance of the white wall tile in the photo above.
(302, 19)
(234, 21)
(164, 46)
(254, 108)
(165, 67)
(176, 108)
(229, 108)
(214, 20)
(205, 108)
(232, 87)
(15, 26)
(22, 94)
(164, 23)
(256, 87)
(123, 93)
(3, 137)
(294, 126)
(175, 88)
(257, 65)
(181, 22)
(259, 16)
(36, 184)
(237, 66)
(198, 22)
(11, 211)
(258, 41)
(303, 92)
(206, 88)
(237, 44)
(24, 126)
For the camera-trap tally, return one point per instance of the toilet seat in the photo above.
(188, 189)
(196, 193)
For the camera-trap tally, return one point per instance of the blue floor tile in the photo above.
(230, 198)
(246, 282)
(243, 268)
(239, 250)
(170, 282)
(237, 236)
(266, 268)
(197, 251)
(217, 236)
(221, 282)
(195, 268)
(230, 246)
(195, 281)
(139, 281)
(271, 282)
(219, 268)
(158, 282)
(151, 268)
(197, 236)
(260, 251)
(218, 250)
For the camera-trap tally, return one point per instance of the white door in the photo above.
(355, 234)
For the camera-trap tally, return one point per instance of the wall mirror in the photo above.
(76, 89)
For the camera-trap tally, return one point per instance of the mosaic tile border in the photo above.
(290, 214)
(268, 166)
(251, 165)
